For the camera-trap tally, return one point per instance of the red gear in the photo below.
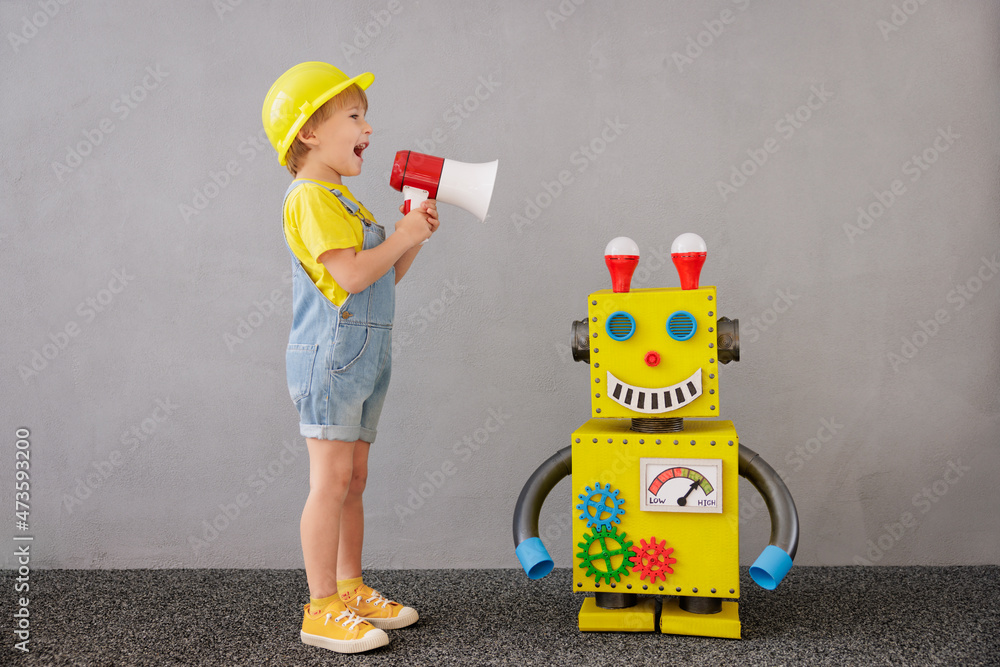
(653, 559)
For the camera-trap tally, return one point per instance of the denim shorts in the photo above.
(339, 390)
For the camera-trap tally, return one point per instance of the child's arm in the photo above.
(403, 263)
(356, 271)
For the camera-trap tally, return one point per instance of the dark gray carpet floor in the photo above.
(818, 616)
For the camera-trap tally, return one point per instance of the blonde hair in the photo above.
(353, 95)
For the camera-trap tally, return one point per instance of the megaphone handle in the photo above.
(413, 197)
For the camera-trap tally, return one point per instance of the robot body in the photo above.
(655, 490)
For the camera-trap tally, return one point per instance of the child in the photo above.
(339, 351)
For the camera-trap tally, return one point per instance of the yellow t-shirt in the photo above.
(315, 221)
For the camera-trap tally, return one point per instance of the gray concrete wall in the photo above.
(147, 290)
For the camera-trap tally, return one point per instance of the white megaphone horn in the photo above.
(462, 184)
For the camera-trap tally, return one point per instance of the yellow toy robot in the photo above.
(655, 492)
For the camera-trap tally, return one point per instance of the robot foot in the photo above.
(640, 617)
(724, 623)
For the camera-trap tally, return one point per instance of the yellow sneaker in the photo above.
(340, 630)
(378, 610)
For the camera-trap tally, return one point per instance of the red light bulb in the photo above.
(688, 252)
(621, 257)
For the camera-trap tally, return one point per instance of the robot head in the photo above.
(655, 352)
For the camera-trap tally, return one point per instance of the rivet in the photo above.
(710, 313)
(598, 410)
(712, 443)
(593, 303)
(624, 442)
(711, 345)
(597, 380)
(694, 590)
(711, 407)
(693, 442)
(595, 319)
(657, 441)
(730, 443)
(595, 334)
(595, 439)
(713, 590)
(711, 376)
(709, 297)
(711, 329)
(611, 440)
(578, 439)
(711, 391)
(677, 442)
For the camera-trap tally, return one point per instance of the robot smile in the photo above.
(655, 401)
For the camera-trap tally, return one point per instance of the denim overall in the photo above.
(339, 360)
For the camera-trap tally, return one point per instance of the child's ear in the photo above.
(307, 137)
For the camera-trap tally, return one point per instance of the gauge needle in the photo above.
(682, 501)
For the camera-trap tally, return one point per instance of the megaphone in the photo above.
(462, 184)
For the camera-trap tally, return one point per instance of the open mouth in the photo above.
(655, 401)
(359, 149)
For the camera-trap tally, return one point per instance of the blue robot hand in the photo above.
(770, 567)
(534, 558)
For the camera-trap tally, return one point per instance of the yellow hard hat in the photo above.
(297, 94)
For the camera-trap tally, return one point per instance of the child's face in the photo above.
(340, 140)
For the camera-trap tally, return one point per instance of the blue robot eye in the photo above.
(620, 326)
(681, 325)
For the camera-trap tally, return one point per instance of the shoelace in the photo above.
(376, 599)
(351, 621)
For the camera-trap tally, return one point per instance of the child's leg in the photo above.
(352, 521)
(330, 472)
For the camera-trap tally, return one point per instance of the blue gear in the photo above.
(600, 507)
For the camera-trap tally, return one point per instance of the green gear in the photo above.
(605, 555)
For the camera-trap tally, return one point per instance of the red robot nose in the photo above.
(652, 358)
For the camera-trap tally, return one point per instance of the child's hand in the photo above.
(419, 223)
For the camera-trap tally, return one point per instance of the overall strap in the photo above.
(351, 207)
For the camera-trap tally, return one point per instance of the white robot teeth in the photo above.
(658, 400)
